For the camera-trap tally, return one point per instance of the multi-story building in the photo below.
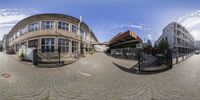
(179, 39)
(51, 32)
(1, 45)
(198, 45)
(5, 43)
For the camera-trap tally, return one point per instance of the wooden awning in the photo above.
(126, 38)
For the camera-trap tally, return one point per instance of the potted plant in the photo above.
(21, 56)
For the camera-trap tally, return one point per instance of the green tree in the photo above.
(155, 46)
(163, 44)
(147, 45)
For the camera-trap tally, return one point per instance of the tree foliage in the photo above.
(148, 45)
(163, 44)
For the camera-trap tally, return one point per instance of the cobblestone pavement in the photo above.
(96, 77)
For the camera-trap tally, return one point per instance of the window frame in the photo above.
(45, 46)
(33, 26)
(74, 47)
(82, 33)
(64, 25)
(23, 30)
(33, 43)
(18, 34)
(50, 25)
(64, 46)
(74, 28)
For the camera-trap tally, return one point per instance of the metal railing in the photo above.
(181, 57)
(148, 60)
(124, 53)
(40, 57)
(154, 60)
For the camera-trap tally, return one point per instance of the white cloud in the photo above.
(132, 26)
(141, 29)
(192, 23)
(9, 17)
(149, 36)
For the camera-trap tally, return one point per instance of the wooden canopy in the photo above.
(126, 39)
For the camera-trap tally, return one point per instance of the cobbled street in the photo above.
(98, 77)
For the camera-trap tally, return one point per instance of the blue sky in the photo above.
(108, 17)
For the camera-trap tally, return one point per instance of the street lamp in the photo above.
(90, 38)
(79, 29)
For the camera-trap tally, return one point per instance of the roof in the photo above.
(124, 38)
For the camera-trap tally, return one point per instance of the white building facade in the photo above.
(198, 45)
(179, 39)
(5, 43)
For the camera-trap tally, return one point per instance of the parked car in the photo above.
(196, 52)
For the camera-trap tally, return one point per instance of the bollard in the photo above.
(34, 57)
(139, 58)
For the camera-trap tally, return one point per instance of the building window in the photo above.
(174, 40)
(74, 46)
(48, 45)
(178, 41)
(82, 33)
(17, 47)
(24, 44)
(23, 31)
(178, 26)
(183, 43)
(18, 34)
(33, 43)
(15, 36)
(74, 29)
(63, 45)
(63, 26)
(33, 27)
(88, 36)
(47, 24)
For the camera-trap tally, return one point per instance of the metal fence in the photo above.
(148, 60)
(40, 57)
(124, 53)
(154, 60)
(181, 57)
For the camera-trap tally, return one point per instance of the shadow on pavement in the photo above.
(55, 65)
(134, 70)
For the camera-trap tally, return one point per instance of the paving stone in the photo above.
(95, 77)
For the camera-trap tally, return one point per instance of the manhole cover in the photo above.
(5, 75)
